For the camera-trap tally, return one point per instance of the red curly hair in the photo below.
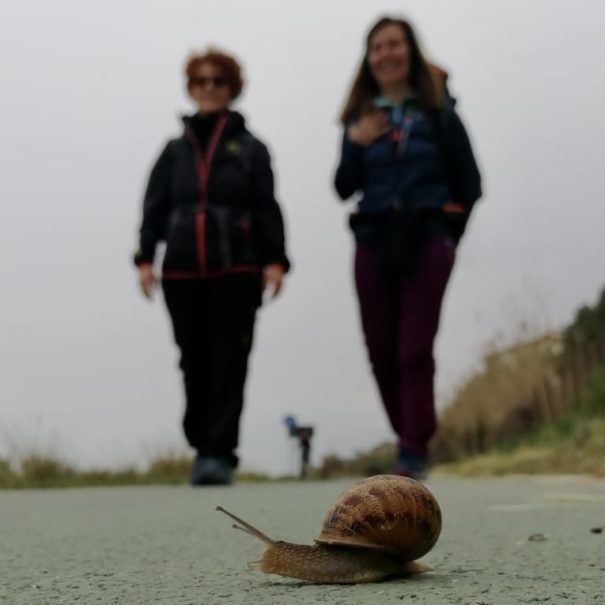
(230, 68)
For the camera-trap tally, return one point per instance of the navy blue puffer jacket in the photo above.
(434, 165)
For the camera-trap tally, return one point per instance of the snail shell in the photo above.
(374, 530)
(385, 512)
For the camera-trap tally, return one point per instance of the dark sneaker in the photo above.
(411, 464)
(207, 470)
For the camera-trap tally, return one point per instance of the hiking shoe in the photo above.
(207, 470)
(411, 464)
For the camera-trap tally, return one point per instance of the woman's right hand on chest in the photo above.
(369, 127)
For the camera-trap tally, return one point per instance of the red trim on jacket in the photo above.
(200, 275)
(203, 160)
(200, 232)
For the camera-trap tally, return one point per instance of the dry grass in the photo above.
(376, 461)
(38, 470)
(498, 401)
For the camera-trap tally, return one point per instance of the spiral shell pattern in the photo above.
(386, 512)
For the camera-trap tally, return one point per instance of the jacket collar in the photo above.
(235, 122)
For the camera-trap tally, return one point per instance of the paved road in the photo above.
(168, 545)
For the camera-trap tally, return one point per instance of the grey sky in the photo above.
(91, 90)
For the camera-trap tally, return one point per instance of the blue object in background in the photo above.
(290, 423)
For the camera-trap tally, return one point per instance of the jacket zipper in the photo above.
(203, 160)
(399, 143)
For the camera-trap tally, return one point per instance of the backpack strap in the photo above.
(438, 119)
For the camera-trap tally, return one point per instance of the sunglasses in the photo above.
(203, 81)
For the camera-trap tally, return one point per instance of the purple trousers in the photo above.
(400, 318)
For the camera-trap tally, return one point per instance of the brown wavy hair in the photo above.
(428, 80)
(229, 66)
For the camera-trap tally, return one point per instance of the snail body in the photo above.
(375, 529)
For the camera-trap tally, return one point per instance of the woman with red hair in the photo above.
(210, 198)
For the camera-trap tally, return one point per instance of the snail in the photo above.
(375, 529)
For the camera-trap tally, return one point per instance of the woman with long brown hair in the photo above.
(407, 153)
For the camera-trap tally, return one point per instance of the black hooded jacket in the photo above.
(210, 197)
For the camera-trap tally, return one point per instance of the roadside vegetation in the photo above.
(45, 471)
(535, 407)
(571, 443)
(542, 409)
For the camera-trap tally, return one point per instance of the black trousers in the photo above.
(213, 323)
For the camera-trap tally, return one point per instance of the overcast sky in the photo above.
(91, 90)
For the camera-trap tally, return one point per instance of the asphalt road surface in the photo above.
(168, 545)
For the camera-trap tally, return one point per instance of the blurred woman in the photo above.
(210, 198)
(407, 153)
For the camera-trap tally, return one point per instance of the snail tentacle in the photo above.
(246, 527)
